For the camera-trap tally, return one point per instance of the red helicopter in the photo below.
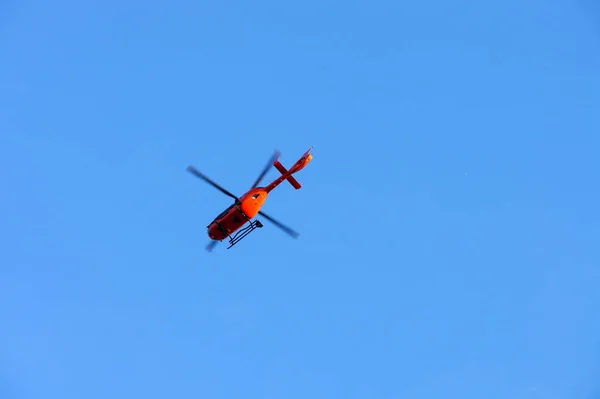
(246, 207)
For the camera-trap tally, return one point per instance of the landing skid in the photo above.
(240, 234)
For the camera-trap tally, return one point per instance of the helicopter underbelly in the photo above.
(226, 225)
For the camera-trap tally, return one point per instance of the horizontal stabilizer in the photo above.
(290, 178)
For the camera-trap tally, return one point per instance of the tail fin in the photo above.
(290, 178)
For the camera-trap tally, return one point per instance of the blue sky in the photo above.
(449, 220)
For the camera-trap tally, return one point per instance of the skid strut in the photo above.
(240, 234)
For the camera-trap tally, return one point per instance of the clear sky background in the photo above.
(450, 232)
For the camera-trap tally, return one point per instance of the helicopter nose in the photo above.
(214, 233)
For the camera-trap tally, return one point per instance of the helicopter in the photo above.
(230, 223)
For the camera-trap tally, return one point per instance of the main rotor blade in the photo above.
(280, 225)
(193, 170)
(266, 168)
(211, 245)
